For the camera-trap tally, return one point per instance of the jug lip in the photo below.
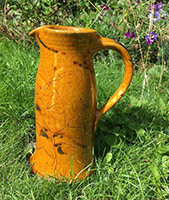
(67, 29)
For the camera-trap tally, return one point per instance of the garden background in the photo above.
(132, 139)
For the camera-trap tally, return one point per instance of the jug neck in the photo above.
(53, 35)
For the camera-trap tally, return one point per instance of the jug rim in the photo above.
(64, 29)
(68, 29)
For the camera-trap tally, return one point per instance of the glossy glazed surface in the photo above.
(65, 99)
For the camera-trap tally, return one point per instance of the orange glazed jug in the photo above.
(65, 99)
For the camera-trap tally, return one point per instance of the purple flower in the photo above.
(157, 16)
(128, 34)
(158, 6)
(157, 11)
(155, 7)
(164, 15)
(151, 37)
(104, 7)
(133, 35)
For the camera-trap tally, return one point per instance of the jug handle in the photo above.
(105, 43)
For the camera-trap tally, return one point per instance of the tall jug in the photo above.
(65, 99)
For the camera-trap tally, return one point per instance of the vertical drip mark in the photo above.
(54, 79)
(94, 102)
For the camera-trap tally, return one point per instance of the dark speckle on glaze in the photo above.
(60, 150)
(37, 107)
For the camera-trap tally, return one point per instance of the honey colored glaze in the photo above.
(65, 99)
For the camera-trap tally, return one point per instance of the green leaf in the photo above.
(113, 140)
(163, 149)
(141, 132)
(115, 5)
(165, 163)
(135, 126)
(165, 166)
(111, 170)
(108, 157)
(155, 172)
(135, 102)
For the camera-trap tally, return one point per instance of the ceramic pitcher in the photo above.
(65, 99)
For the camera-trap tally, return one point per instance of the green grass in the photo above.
(131, 141)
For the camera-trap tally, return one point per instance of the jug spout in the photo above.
(35, 32)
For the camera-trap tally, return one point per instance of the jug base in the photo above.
(49, 171)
